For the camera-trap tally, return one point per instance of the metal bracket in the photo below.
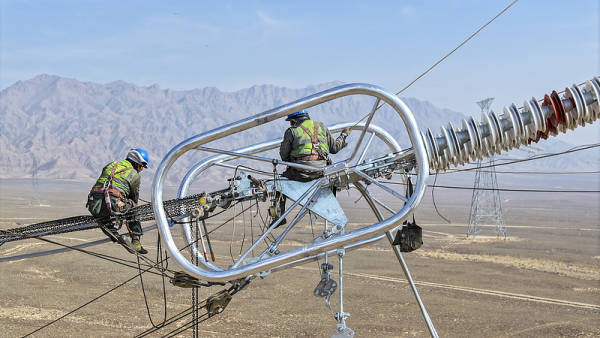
(327, 285)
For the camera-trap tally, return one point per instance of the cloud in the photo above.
(270, 27)
(267, 20)
(407, 11)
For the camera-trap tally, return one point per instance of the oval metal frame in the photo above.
(365, 233)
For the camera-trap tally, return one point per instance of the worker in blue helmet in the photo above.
(115, 192)
(307, 142)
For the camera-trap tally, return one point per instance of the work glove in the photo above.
(346, 132)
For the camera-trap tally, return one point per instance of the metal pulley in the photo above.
(274, 211)
(183, 280)
(217, 303)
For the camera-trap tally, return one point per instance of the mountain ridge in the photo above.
(73, 128)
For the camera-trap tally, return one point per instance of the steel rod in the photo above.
(377, 183)
(362, 134)
(276, 223)
(364, 151)
(403, 264)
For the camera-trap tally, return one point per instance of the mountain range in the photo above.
(70, 129)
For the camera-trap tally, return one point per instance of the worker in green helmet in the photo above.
(115, 192)
(308, 142)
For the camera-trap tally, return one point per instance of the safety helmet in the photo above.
(139, 156)
(298, 114)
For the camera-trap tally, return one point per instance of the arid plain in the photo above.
(544, 280)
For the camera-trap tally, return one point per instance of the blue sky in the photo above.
(535, 47)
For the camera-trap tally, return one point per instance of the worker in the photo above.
(306, 142)
(115, 192)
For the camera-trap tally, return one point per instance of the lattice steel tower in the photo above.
(486, 207)
(34, 199)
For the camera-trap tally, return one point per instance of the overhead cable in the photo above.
(443, 58)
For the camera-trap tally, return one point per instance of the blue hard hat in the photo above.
(297, 114)
(139, 156)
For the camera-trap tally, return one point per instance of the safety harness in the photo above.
(107, 190)
(317, 153)
(122, 207)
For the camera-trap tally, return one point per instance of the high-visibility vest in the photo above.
(123, 174)
(305, 135)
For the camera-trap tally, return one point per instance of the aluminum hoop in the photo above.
(422, 167)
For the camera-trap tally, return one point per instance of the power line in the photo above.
(109, 258)
(536, 157)
(457, 47)
(516, 190)
(444, 57)
(547, 172)
(91, 301)
(499, 189)
(140, 272)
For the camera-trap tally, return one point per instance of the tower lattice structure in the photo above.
(486, 206)
(34, 199)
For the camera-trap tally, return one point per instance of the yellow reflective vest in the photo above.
(305, 135)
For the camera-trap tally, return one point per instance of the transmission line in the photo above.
(536, 157)
(443, 58)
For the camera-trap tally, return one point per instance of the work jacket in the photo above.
(296, 143)
(126, 179)
(303, 137)
(297, 146)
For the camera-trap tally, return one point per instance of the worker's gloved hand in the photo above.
(346, 132)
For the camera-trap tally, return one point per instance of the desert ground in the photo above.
(544, 280)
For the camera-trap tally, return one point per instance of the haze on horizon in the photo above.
(533, 48)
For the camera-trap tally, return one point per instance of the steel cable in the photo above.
(107, 292)
(443, 58)
(536, 157)
(109, 258)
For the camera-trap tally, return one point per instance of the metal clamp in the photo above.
(327, 285)
(217, 303)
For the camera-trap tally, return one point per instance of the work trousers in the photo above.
(98, 208)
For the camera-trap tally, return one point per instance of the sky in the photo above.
(533, 48)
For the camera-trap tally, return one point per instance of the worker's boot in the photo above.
(138, 246)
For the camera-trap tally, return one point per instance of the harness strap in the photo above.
(112, 191)
(409, 192)
(314, 139)
(311, 157)
(107, 187)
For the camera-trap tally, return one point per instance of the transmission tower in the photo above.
(486, 208)
(34, 199)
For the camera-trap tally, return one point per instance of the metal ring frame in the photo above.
(218, 160)
(288, 258)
